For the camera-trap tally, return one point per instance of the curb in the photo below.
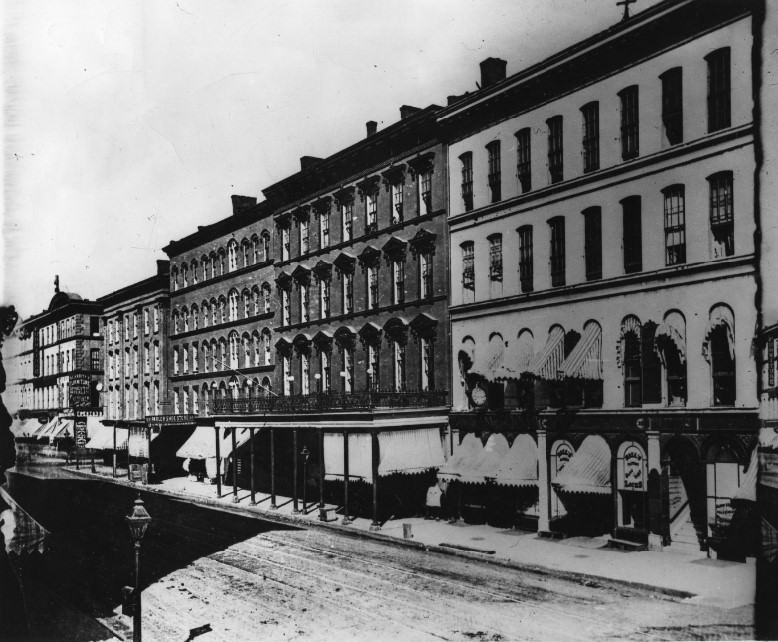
(585, 579)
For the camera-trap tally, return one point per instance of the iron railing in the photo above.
(242, 405)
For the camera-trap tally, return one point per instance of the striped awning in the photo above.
(101, 438)
(488, 361)
(409, 451)
(22, 427)
(470, 448)
(65, 426)
(589, 471)
(719, 316)
(671, 332)
(520, 465)
(547, 361)
(479, 470)
(202, 443)
(360, 456)
(584, 360)
(46, 429)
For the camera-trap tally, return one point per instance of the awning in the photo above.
(520, 465)
(409, 451)
(488, 360)
(747, 490)
(547, 361)
(518, 358)
(202, 443)
(470, 448)
(64, 426)
(589, 471)
(720, 315)
(93, 422)
(47, 430)
(22, 534)
(22, 427)
(671, 333)
(491, 459)
(360, 456)
(102, 438)
(584, 361)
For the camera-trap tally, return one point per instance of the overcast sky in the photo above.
(127, 124)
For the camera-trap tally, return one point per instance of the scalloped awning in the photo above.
(584, 360)
(547, 361)
(589, 470)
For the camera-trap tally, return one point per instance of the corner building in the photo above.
(359, 405)
(603, 281)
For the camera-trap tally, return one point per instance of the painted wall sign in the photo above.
(631, 468)
(79, 389)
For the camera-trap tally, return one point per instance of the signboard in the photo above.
(80, 391)
(768, 469)
(561, 453)
(167, 420)
(631, 468)
(80, 430)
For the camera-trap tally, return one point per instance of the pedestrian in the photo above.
(434, 494)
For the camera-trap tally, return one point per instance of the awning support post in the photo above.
(544, 490)
(375, 526)
(273, 504)
(150, 474)
(218, 463)
(113, 474)
(346, 519)
(321, 474)
(295, 474)
(234, 468)
(253, 500)
(654, 491)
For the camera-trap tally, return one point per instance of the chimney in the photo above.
(163, 267)
(372, 127)
(406, 111)
(492, 71)
(242, 203)
(308, 162)
(452, 99)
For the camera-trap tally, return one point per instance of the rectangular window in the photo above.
(425, 193)
(156, 356)
(372, 286)
(304, 237)
(285, 308)
(524, 159)
(672, 105)
(398, 274)
(326, 372)
(348, 292)
(495, 257)
(304, 298)
(495, 175)
(555, 158)
(94, 356)
(557, 227)
(175, 360)
(722, 216)
(525, 258)
(286, 374)
(632, 234)
(468, 266)
(156, 319)
(126, 327)
(145, 321)
(399, 366)
(146, 359)
(347, 220)
(324, 228)
(427, 364)
(467, 180)
(675, 225)
(324, 298)
(397, 203)
(630, 122)
(285, 249)
(593, 243)
(591, 136)
(425, 275)
(719, 90)
(371, 212)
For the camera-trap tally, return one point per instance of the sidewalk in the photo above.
(680, 574)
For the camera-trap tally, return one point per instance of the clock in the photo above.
(478, 396)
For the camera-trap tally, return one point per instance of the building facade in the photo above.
(603, 276)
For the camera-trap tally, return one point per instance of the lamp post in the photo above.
(138, 522)
(305, 454)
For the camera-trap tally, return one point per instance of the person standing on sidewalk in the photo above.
(434, 494)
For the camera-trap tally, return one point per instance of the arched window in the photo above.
(234, 351)
(719, 351)
(266, 338)
(220, 256)
(176, 321)
(206, 311)
(267, 387)
(204, 267)
(255, 340)
(174, 278)
(195, 317)
(246, 248)
(223, 309)
(246, 339)
(184, 276)
(265, 245)
(214, 364)
(266, 297)
(642, 368)
(214, 312)
(222, 359)
(232, 253)
(206, 400)
(185, 319)
(670, 345)
(255, 253)
(246, 304)
(233, 308)
(206, 357)
(195, 276)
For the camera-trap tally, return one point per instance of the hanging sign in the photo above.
(631, 469)
(80, 430)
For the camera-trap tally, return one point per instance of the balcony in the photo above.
(366, 400)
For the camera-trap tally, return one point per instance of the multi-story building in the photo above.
(361, 338)
(66, 362)
(603, 277)
(221, 319)
(135, 328)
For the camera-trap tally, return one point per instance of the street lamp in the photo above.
(138, 522)
(305, 454)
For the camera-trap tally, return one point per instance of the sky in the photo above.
(126, 124)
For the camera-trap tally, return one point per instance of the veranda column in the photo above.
(149, 475)
(218, 463)
(273, 468)
(346, 519)
(655, 517)
(295, 506)
(321, 474)
(251, 467)
(375, 526)
(544, 489)
(114, 450)
(234, 467)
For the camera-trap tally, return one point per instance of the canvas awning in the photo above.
(46, 429)
(202, 443)
(488, 360)
(486, 466)
(671, 332)
(747, 490)
(589, 471)
(470, 448)
(719, 316)
(64, 426)
(409, 451)
(547, 361)
(584, 360)
(101, 438)
(360, 456)
(520, 465)
(93, 422)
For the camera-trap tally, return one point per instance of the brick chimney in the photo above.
(242, 203)
(406, 111)
(163, 267)
(372, 127)
(492, 71)
(308, 162)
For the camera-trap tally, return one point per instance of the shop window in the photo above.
(632, 485)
